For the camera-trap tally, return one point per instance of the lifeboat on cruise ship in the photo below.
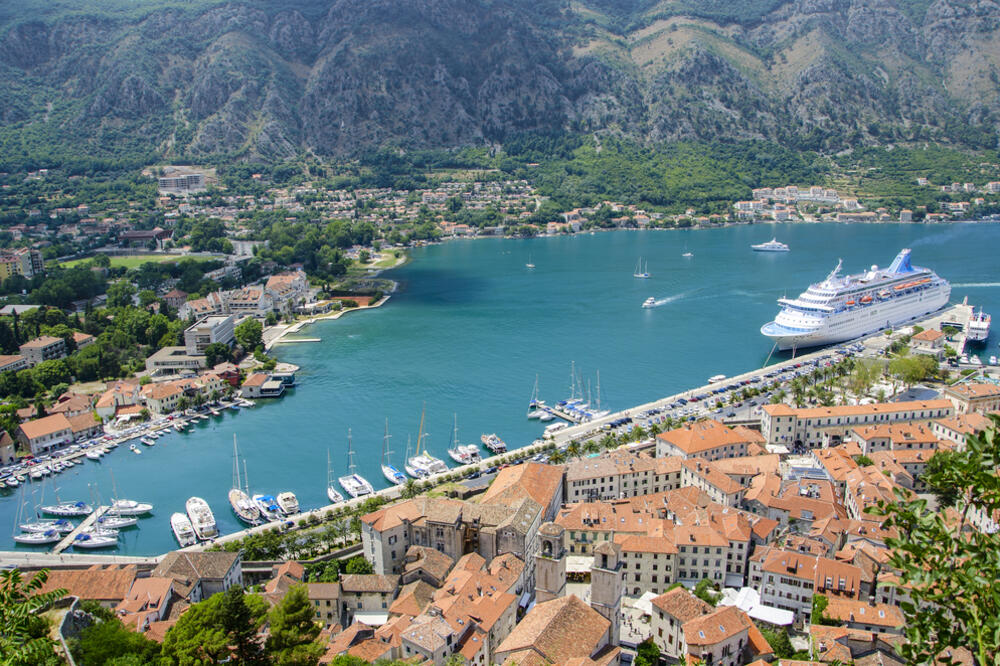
(900, 287)
(850, 302)
(884, 293)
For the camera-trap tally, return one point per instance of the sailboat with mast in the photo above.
(641, 272)
(536, 407)
(239, 496)
(125, 507)
(331, 491)
(424, 460)
(415, 472)
(463, 455)
(391, 474)
(35, 535)
(355, 484)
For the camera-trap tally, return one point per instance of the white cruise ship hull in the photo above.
(859, 321)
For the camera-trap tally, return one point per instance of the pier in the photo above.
(284, 341)
(86, 524)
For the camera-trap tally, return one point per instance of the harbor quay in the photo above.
(957, 314)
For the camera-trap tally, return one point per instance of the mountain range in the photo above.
(272, 79)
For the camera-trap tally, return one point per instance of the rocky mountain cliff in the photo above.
(272, 79)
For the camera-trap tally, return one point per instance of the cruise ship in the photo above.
(773, 245)
(844, 307)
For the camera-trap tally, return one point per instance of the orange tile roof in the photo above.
(861, 612)
(256, 379)
(681, 604)
(637, 543)
(929, 335)
(973, 391)
(47, 425)
(98, 583)
(899, 433)
(718, 626)
(972, 422)
(40, 342)
(558, 630)
(535, 480)
(856, 410)
(702, 436)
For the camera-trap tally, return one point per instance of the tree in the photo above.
(864, 461)
(249, 334)
(109, 639)
(216, 353)
(949, 570)
(647, 654)
(241, 625)
(779, 641)
(20, 640)
(818, 615)
(358, 565)
(292, 641)
(705, 591)
(120, 294)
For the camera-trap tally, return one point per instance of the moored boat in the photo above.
(127, 507)
(239, 495)
(59, 525)
(389, 471)
(68, 509)
(288, 503)
(355, 484)
(183, 530)
(494, 443)
(269, 509)
(424, 460)
(95, 540)
(331, 492)
(202, 518)
(110, 521)
(38, 538)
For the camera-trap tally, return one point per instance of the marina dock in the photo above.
(86, 524)
(283, 341)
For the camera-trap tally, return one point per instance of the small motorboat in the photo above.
(134, 449)
(183, 531)
(288, 503)
(38, 538)
(112, 521)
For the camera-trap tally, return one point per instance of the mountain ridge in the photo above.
(270, 80)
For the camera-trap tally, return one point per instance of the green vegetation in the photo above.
(818, 615)
(127, 262)
(647, 654)
(24, 635)
(778, 640)
(950, 571)
(108, 640)
(292, 639)
(221, 627)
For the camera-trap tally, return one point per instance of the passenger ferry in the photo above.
(843, 308)
(979, 327)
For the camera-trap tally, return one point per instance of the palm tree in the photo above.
(638, 432)
(591, 446)
(409, 489)
(608, 442)
(573, 449)
(557, 457)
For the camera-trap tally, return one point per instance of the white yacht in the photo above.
(268, 506)
(202, 518)
(95, 540)
(239, 496)
(391, 474)
(60, 525)
(463, 454)
(331, 492)
(110, 521)
(38, 538)
(979, 327)
(68, 509)
(843, 308)
(183, 530)
(492, 442)
(772, 245)
(288, 503)
(641, 271)
(649, 302)
(355, 484)
(415, 472)
(425, 461)
(127, 507)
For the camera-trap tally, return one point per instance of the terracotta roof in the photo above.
(711, 475)
(80, 338)
(719, 625)
(8, 359)
(101, 584)
(702, 436)
(256, 379)
(434, 562)
(47, 425)
(972, 422)
(40, 342)
(535, 480)
(681, 604)
(413, 599)
(558, 630)
(900, 433)
(324, 591)
(929, 335)
(636, 543)
(748, 465)
(175, 293)
(973, 391)
(856, 410)
(814, 569)
(360, 583)
(189, 567)
(861, 612)
(83, 422)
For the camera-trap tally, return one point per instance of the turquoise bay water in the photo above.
(471, 327)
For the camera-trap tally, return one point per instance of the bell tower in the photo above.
(550, 564)
(607, 585)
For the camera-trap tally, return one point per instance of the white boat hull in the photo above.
(859, 321)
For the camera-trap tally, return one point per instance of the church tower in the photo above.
(550, 564)
(607, 585)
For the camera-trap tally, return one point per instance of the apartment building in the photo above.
(821, 426)
(708, 439)
(896, 437)
(210, 330)
(43, 348)
(982, 398)
(788, 580)
(617, 474)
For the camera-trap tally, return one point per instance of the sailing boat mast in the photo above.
(385, 444)
(598, 390)
(246, 478)
(350, 454)
(572, 380)
(420, 431)
(236, 465)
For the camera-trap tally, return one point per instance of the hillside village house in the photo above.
(708, 439)
(929, 342)
(12, 363)
(56, 430)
